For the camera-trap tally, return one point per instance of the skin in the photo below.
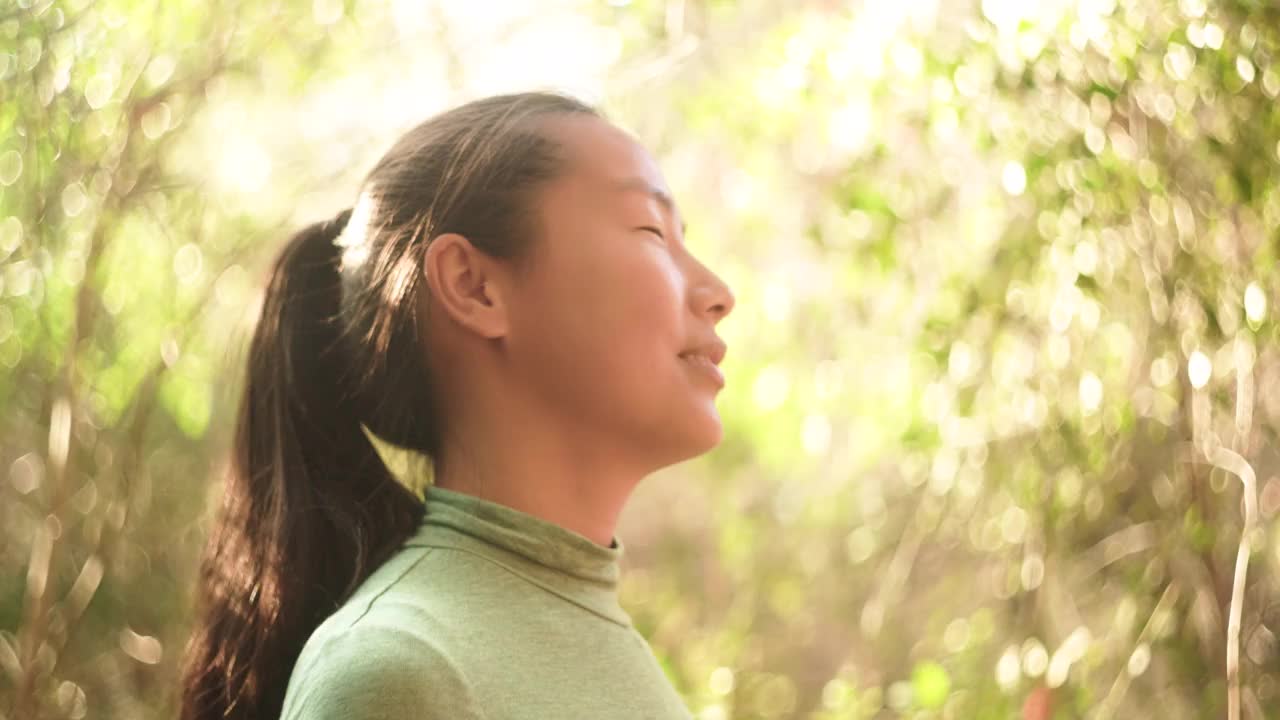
(562, 382)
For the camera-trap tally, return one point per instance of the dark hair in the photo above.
(310, 509)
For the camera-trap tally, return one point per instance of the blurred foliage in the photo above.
(1002, 369)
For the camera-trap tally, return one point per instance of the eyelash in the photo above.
(655, 231)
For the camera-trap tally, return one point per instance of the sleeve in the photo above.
(377, 673)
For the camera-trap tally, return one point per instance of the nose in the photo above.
(713, 297)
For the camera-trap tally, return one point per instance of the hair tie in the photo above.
(353, 241)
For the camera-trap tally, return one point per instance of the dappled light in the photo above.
(1003, 380)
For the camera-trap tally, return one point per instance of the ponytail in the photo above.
(309, 509)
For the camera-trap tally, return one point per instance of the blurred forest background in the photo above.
(1003, 382)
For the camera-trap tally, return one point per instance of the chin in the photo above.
(702, 432)
(686, 426)
(694, 433)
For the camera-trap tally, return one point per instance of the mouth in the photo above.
(704, 365)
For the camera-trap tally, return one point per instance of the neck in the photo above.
(538, 475)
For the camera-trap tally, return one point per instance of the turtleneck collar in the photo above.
(558, 559)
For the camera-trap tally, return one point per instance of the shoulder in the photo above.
(368, 661)
(371, 671)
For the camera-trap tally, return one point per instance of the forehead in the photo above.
(603, 160)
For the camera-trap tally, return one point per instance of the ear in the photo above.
(466, 284)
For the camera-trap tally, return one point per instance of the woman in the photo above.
(511, 297)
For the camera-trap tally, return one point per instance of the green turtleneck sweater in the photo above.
(486, 612)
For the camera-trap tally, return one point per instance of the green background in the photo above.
(1002, 368)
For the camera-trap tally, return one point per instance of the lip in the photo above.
(704, 366)
(713, 350)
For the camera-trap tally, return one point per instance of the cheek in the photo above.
(603, 329)
(628, 291)
(644, 313)
(614, 327)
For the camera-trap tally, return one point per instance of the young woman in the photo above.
(512, 297)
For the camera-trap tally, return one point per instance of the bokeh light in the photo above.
(1002, 364)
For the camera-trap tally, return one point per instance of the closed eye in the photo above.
(655, 231)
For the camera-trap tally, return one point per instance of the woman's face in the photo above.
(614, 303)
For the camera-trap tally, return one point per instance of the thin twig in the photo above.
(1231, 461)
(1234, 463)
(1121, 684)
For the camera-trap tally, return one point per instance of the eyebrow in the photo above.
(636, 184)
